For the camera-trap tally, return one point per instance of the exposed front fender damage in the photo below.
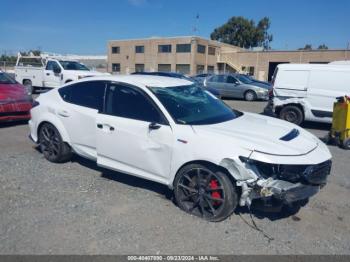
(254, 186)
(236, 170)
(244, 178)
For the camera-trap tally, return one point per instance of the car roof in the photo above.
(145, 80)
(313, 66)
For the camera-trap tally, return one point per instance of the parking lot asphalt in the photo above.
(79, 208)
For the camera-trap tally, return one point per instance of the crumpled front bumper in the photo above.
(287, 184)
(288, 192)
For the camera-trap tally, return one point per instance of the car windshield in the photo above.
(72, 65)
(244, 79)
(191, 105)
(6, 79)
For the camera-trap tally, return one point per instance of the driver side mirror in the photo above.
(57, 70)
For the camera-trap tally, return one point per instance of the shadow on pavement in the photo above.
(125, 178)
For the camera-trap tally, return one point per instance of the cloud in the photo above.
(137, 3)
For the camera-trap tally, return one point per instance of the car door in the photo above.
(52, 79)
(232, 87)
(78, 113)
(217, 82)
(133, 136)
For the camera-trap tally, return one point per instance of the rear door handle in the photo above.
(100, 126)
(63, 113)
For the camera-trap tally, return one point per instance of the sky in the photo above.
(84, 27)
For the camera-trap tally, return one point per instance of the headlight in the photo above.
(290, 173)
(306, 174)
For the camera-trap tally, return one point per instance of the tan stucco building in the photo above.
(192, 55)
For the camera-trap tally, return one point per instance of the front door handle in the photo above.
(110, 128)
(47, 74)
(154, 126)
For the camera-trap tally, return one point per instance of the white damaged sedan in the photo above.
(171, 131)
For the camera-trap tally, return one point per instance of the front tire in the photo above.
(52, 146)
(292, 114)
(205, 192)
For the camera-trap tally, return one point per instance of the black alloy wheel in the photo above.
(205, 192)
(51, 144)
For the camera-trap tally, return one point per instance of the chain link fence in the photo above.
(7, 66)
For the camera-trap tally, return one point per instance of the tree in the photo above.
(262, 30)
(242, 32)
(306, 47)
(322, 47)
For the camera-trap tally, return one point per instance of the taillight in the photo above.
(35, 103)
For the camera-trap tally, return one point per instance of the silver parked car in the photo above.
(229, 85)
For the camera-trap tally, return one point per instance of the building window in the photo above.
(164, 67)
(210, 69)
(116, 68)
(201, 49)
(200, 69)
(211, 50)
(183, 69)
(248, 70)
(164, 48)
(115, 49)
(139, 49)
(183, 48)
(139, 67)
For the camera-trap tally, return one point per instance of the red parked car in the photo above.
(15, 102)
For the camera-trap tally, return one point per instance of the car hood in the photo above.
(12, 92)
(262, 85)
(261, 134)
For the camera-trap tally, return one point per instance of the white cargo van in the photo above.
(307, 91)
(49, 72)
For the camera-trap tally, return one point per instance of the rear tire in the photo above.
(28, 84)
(292, 114)
(250, 96)
(205, 191)
(52, 146)
(346, 144)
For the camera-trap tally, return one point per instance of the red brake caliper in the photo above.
(214, 185)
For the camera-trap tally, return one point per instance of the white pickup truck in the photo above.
(38, 72)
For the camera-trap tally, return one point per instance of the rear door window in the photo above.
(218, 79)
(87, 94)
